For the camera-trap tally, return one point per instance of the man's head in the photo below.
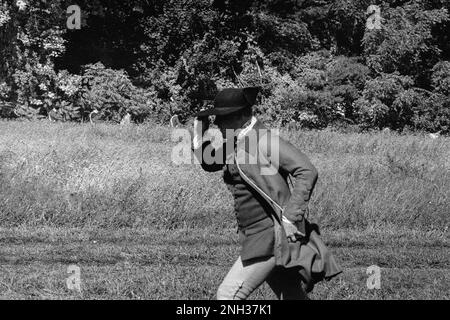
(233, 121)
(232, 107)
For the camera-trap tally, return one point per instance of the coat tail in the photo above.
(313, 259)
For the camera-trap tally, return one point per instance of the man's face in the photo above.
(229, 121)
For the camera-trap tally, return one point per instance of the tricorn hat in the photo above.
(231, 100)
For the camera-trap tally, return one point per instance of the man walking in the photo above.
(279, 245)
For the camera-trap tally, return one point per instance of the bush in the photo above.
(113, 95)
(68, 89)
(432, 114)
(405, 44)
(6, 107)
(285, 104)
(319, 90)
(346, 80)
(30, 39)
(379, 107)
(440, 78)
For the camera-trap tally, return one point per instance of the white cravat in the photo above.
(243, 132)
(197, 141)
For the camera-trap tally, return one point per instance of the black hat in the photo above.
(231, 100)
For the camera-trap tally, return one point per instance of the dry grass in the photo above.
(70, 175)
(381, 199)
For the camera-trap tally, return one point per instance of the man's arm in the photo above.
(296, 163)
(199, 147)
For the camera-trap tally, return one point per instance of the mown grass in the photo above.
(190, 263)
(168, 231)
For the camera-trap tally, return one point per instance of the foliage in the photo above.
(440, 77)
(432, 113)
(316, 62)
(112, 94)
(31, 38)
(405, 43)
(377, 105)
(391, 101)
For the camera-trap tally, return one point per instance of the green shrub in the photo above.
(405, 44)
(31, 38)
(432, 113)
(6, 107)
(346, 80)
(379, 107)
(113, 95)
(440, 77)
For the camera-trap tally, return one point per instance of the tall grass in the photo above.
(107, 176)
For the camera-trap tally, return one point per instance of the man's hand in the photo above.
(200, 127)
(294, 231)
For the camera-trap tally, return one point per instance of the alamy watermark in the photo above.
(257, 147)
(374, 279)
(73, 282)
(373, 13)
(74, 18)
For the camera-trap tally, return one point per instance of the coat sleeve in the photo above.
(294, 162)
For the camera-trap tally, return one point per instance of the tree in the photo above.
(406, 43)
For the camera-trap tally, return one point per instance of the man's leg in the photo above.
(244, 278)
(287, 284)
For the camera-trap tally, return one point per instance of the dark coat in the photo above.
(269, 175)
(254, 217)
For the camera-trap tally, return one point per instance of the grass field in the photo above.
(109, 199)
